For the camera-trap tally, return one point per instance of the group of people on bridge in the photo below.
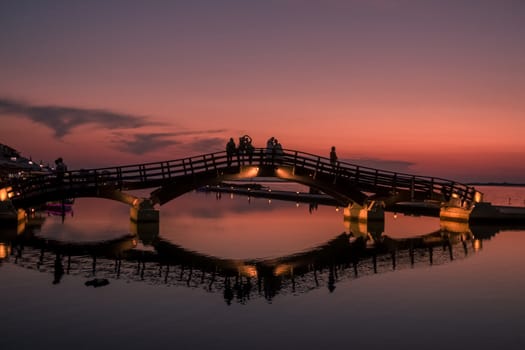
(273, 153)
(245, 148)
(274, 149)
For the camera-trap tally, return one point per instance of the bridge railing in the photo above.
(156, 173)
(121, 177)
(373, 179)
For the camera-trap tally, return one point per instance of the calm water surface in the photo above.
(237, 273)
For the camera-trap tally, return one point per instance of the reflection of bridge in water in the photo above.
(344, 258)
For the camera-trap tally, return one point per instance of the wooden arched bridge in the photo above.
(350, 184)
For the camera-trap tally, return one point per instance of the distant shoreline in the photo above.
(502, 184)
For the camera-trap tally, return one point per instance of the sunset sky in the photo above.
(426, 87)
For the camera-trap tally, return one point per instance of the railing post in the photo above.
(162, 170)
(119, 178)
(213, 161)
(412, 184)
(394, 184)
(95, 175)
(169, 169)
(316, 167)
(261, 156)
(184, 166)
(142, 174)
(205, 162)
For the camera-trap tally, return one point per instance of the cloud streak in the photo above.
(400, 166)
(206, 145)
(62, 120)
(142, 143)
(146, 143)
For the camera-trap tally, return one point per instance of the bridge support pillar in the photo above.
(365, 220)
(452, 211)
(144, 220)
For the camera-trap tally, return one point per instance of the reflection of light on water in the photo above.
(477, 244)
(236, 229)
(283, 269)
(405, 226)
(248, 271)
(454, 226)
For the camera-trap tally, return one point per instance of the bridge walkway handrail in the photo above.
(146, 175)
(371, 179)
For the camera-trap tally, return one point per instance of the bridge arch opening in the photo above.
(342, 191)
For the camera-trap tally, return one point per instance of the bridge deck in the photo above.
(344, 181)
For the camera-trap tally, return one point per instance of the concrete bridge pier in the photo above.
(367, 221)
(455, 210)
(144, 220)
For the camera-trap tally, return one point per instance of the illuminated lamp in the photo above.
(248, 270)
(478, 197)
(477, 244)
(3, 194)
(283, 269)
(6, 193)
(4, 251)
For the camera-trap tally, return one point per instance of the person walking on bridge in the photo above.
(278, 152)
(270, 145)
(333, 156)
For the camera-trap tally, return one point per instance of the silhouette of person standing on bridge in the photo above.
(270, 145)
(246, 148)
(333, 156)
(278, 151)
(230, 151)
(249, 147)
